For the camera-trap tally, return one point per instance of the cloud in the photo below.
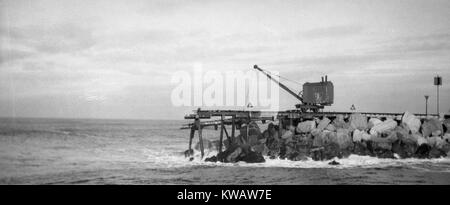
(42, 39)
(332, 32)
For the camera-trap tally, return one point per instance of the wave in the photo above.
(353, 161)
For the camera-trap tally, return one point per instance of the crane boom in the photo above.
(279, 83)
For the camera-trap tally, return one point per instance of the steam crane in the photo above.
(314, 95)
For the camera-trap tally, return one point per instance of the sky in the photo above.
(115, 59)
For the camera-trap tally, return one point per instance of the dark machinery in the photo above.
(314, 95)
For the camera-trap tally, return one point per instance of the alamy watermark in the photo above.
(230, 88)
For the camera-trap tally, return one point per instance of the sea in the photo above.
(97, 151)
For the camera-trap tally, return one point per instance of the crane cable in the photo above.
(293, 81)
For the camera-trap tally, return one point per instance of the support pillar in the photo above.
(199, 127)
(221, 134)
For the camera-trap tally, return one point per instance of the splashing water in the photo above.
(47, 151)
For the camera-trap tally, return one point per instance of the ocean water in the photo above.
(87, 151)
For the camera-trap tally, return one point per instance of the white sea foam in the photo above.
(353, 161)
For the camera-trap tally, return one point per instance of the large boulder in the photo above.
(323, 123)
(422, 151)
(404, 149)
(287, 135)
(238, 153)
(261, 148)
(320, 139)
(372, 122)
(306, 126)
(330, 127)
(357, 135)
(411, 121)
(381, 149)
(339, 121)
(446, 137)
(446, 123)
(436, 153)
(421, 140)
(360, 148)
(254, 133)
(253, 157)
(383, 127)
(436, 141)
(432, 127)
(327, 152)
(358, 121)
(343, 139)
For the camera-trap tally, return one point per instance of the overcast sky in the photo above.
(114, 59)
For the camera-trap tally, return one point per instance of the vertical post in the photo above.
(199, 127)
(233, 128)
(426, 105)
(438, 100)
(246, 132)
(191, 136)
(221, 134)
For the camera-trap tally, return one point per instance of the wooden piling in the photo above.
(199, 127)
(221, 134)
(233, 128)
(226, 133)
(191, 136)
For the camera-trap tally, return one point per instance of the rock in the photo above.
(306, 126)
(382, 145)
(372, 122)
(421, 140)
(211, 159)
(411, 121)
(358, 121)
(436, 153)
(343, 139)
(330, 128)
(423, 151)
(234, 155)
(357, 135)
(339, 121)
(446, 148)
(360, 148)
(261, 148)
(435, 141)
(446, 123)
(323, 124)
(188, 152)
(446, 137)
(320, 139)
(238, 153)
(316, 132)
(402, 132)
(404, 149)
(430, 126)
(383, 127)
(334, 163)
(254, 134)
(287, 134)
(253, 157)
(366, 136)
(329, 151)
(330, 137)
(317, 153)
